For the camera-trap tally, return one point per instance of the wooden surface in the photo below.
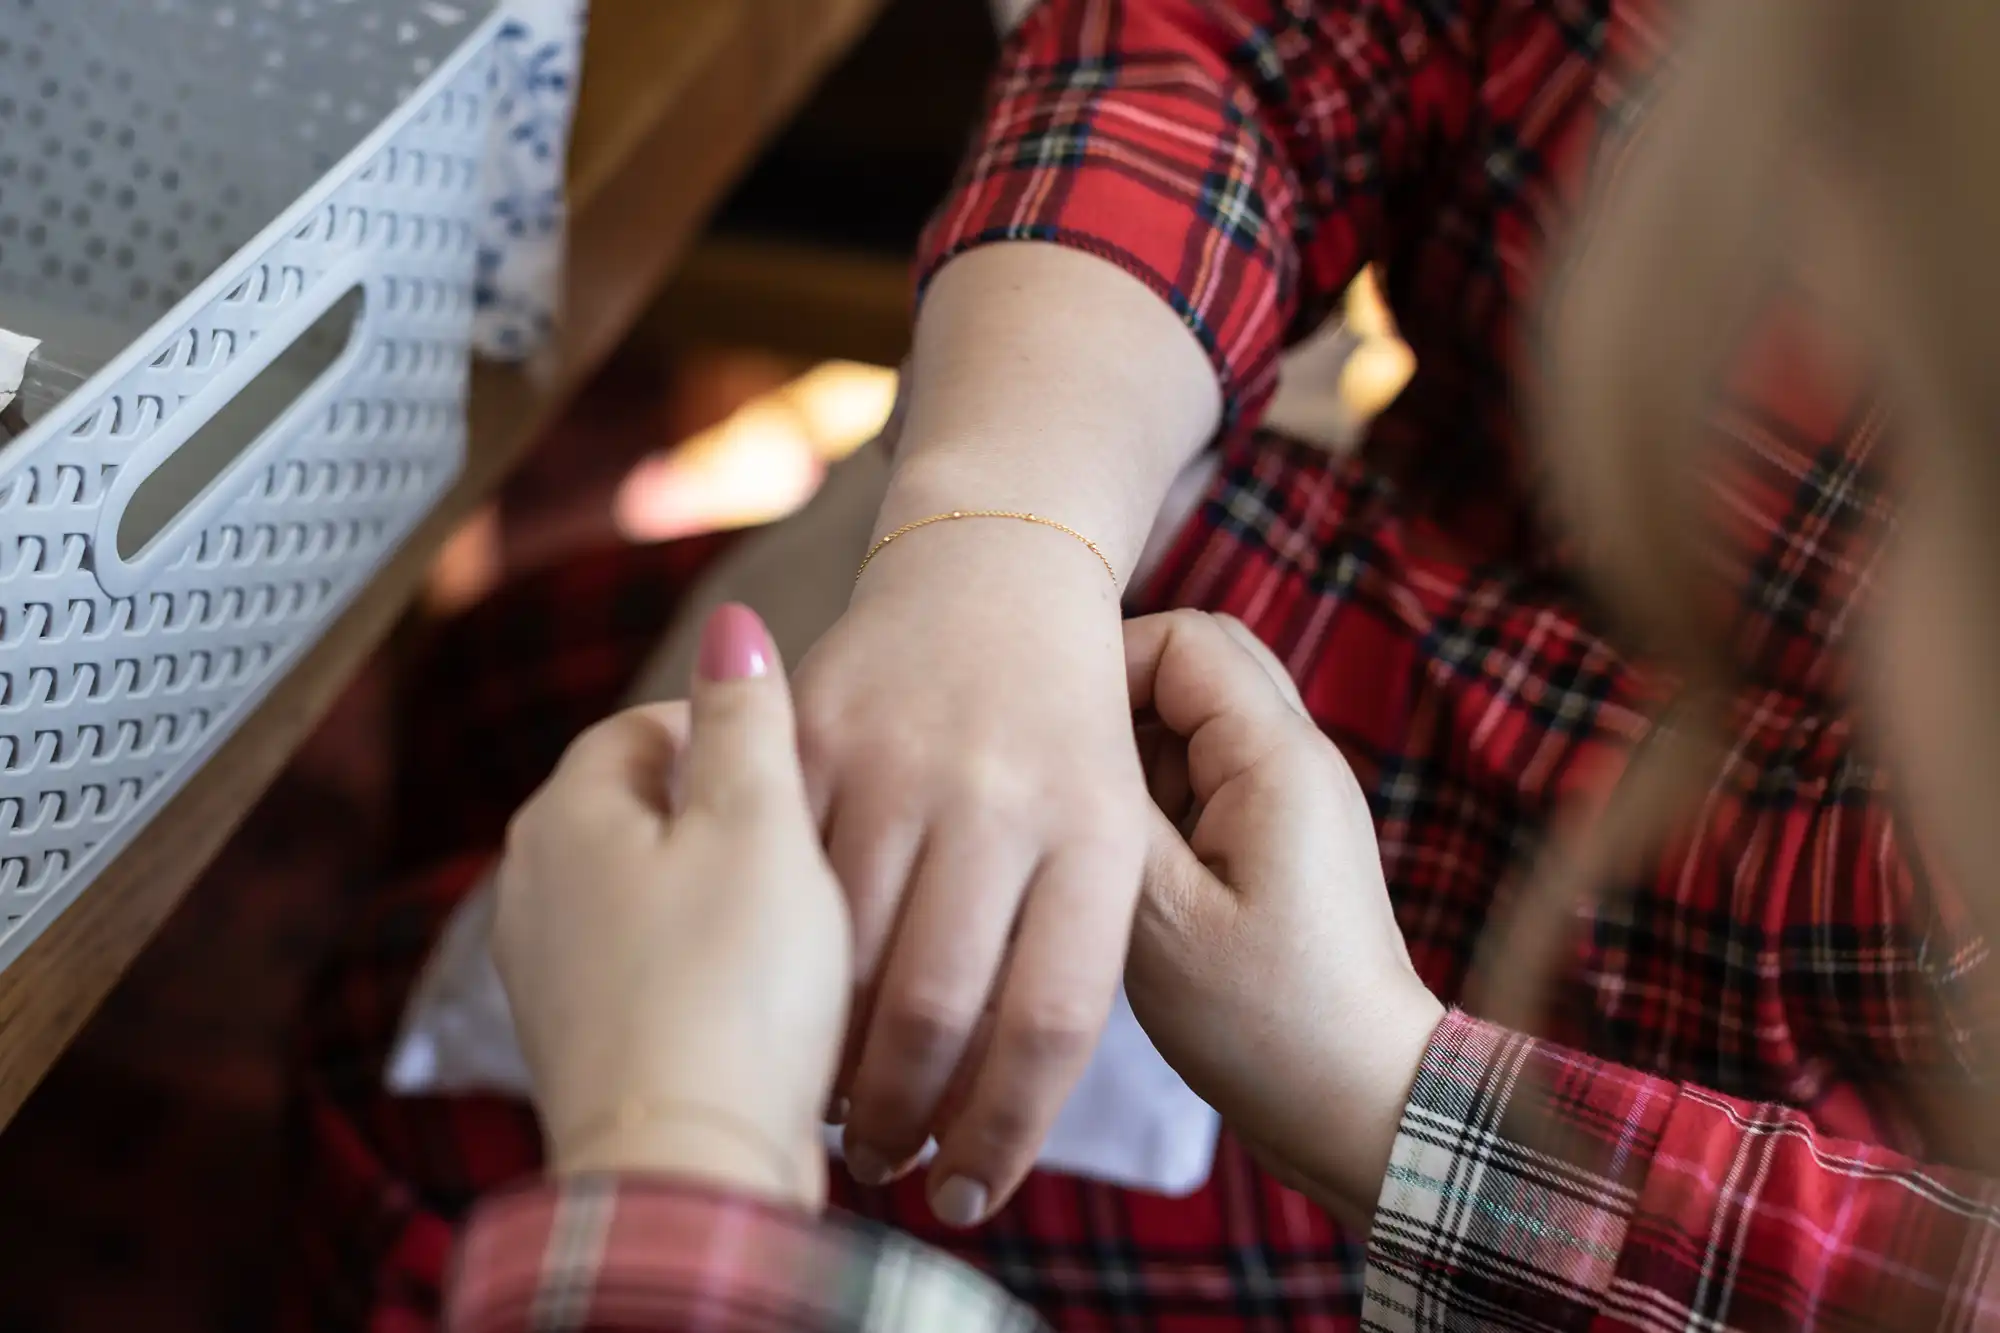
(677, 97)
(806, 300)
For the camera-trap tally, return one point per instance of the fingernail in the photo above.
(735, 645)
(836, 1111)
(959, 1202)
(868, 1166)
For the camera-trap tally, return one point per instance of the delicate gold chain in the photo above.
(909, 528)
(635, 1113)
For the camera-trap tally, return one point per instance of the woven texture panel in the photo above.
(120, 673)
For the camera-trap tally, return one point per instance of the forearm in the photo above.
(1047, 380)
(1190, 184)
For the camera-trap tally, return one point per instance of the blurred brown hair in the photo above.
(1852, 132)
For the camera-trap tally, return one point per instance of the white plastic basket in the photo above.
(255, 221)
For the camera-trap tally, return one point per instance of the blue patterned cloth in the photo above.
(522, 239)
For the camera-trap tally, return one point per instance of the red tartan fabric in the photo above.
(497, 695)
(1669, 1206)
(632, 1255)
(1774, 982)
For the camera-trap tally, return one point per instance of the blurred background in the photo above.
(141, 1186)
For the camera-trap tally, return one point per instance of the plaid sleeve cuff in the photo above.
(620, 1255)
(1512, 1184)
(1124, 133)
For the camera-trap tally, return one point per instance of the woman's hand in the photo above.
(673, 943)
(986, 813)
(965, 725)
(1266, 962)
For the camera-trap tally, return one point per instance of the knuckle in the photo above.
(1003, 1129)
(892, 763)
(1110, 823)
(1052, 1033)
(878, 790)
(809, 719)
(598, 735)
(817, 720)
(1231, 638)
(992, 780)
(924, 1031)
(1209, 630)
(755, 786)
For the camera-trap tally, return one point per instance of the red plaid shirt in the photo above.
(1744, 1045)
(611, 1255)
(1783, 968)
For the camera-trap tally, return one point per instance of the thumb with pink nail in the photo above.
(679, 969)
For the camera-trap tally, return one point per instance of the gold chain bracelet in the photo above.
(909, 528)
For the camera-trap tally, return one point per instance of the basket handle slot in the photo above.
(171, 489)
(200, 461)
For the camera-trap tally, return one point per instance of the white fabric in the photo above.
(458, 1033)
(1131, 1121)
(14, 353)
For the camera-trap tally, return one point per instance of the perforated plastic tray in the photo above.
(255, 223)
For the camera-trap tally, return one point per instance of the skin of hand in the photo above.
(965, 727)
(1266, 962)
(674, 946)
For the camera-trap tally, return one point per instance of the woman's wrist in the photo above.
(700, 1148)
(1010, 564)
(939, 478)
(1391, 1045)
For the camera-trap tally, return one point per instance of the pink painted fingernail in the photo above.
(735, 645)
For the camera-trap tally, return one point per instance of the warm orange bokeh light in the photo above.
(1381, 366)
(763, 462)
